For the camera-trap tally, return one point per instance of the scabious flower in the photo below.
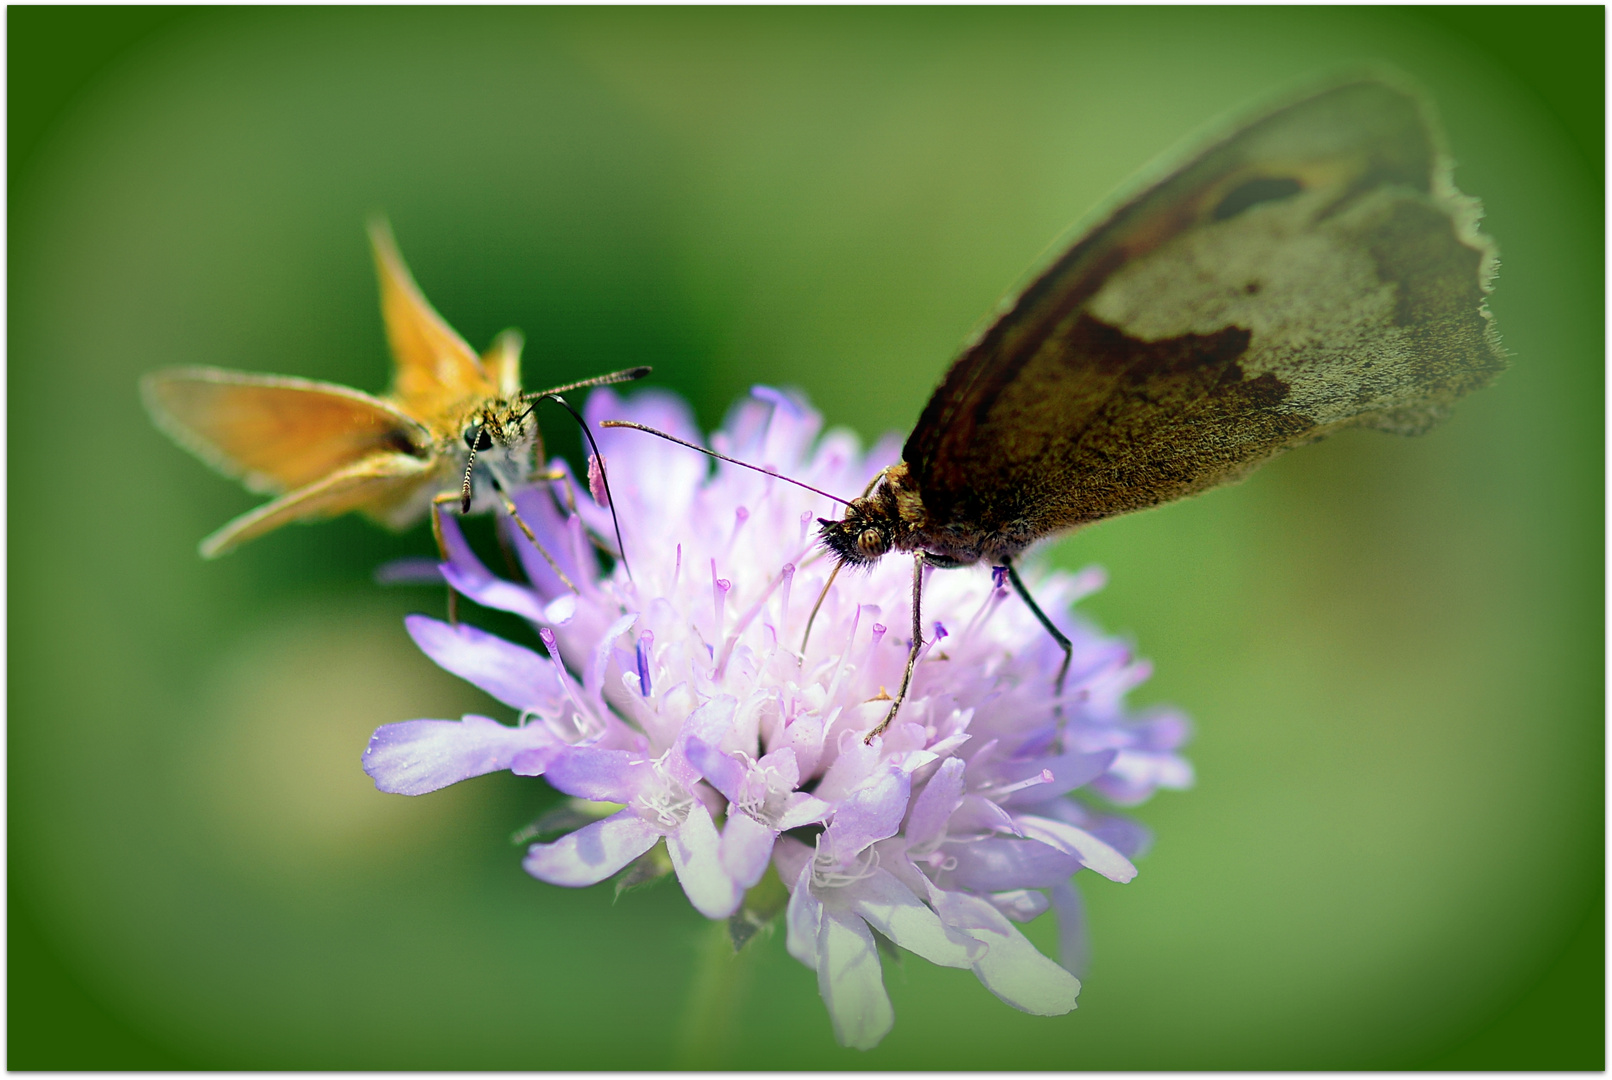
(680, 705)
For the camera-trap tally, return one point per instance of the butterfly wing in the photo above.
(1312, 270)
(502, 362)
(273, 432)
(387, 486)
(437, 376)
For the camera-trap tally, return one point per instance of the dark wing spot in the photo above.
(1253, 192)
(400, 442)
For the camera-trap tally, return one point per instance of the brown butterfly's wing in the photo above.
(392, 488)
(1313, 270)
(274, 432)
(437, 376)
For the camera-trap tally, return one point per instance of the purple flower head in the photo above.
(682, 709)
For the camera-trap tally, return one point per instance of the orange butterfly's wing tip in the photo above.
(382, 242)
(436, 371)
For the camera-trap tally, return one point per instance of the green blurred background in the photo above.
(1392, 648)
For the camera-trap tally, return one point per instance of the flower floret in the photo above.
(686, 700)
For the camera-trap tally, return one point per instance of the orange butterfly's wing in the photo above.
(437, 375)
(273, 432)
(390, 487)
(1313, 269)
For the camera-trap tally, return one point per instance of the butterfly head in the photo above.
(891, 516)
(500, 436)
(862, 536)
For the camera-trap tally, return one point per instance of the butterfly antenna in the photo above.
(464, 496)
(604, 477)
(722, 457)
(632, 374)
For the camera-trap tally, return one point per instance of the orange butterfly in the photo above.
(325, 449)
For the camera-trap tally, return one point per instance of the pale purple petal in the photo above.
(1020, 905)
(803, 809)
(934, 805)
(804, 735)
(1134, 776)
(707, 724)
(536, 762)
(491, 592)
(1074, 947)
(1130, 838)
(722, 772)
(600, 775)
(418, 756)
(791, 856)
(851, 982)
(518, 677)
(874, 809)
(466, 574)
(1091, 852)
(746, 848)
(711, 720)
(999, 864)
(855, 763)
(1011, 967)
(803, 915)
(412, 570)
(696, 852)
(893, 858)
(784, 765)
(892, 909)
(593, 852)
(593, 684)
(547, 522)
(978, 816)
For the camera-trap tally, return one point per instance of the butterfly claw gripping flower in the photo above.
(679, 703)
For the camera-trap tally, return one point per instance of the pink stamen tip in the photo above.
(596, 481)
(1044, 777)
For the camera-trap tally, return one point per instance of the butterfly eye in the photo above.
(871, 543)
(477, 438)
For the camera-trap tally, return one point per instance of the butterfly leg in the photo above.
(442, 547)
(515, 516)
(565, 479)
(1063, 643)
(912, 653)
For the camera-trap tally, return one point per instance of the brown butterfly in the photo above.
(325, 449)
(1311, 270)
